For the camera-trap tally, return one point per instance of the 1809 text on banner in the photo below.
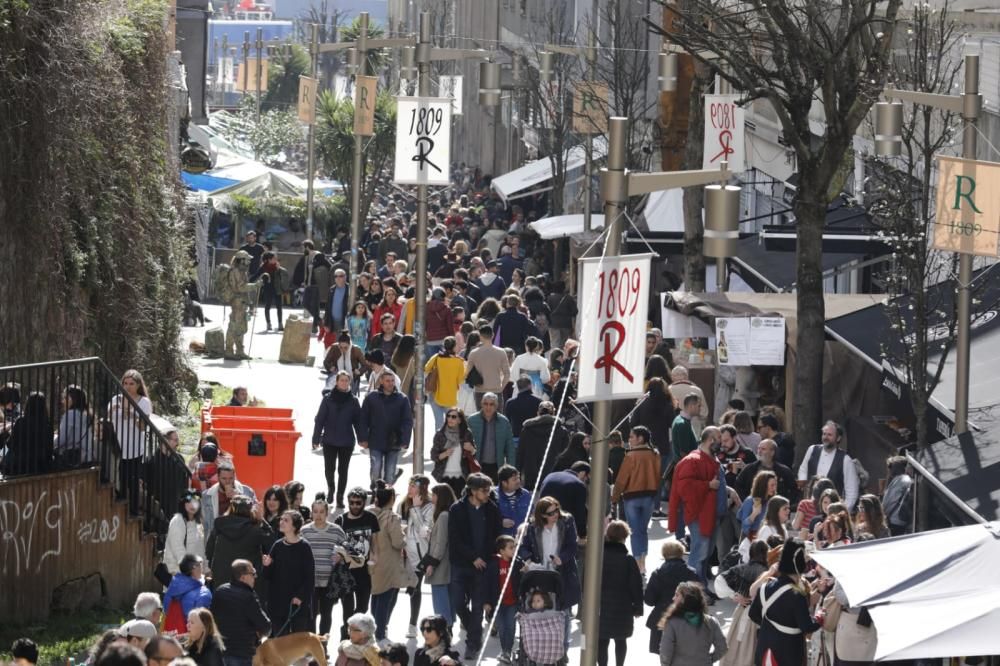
(423, 141)
(614, 305)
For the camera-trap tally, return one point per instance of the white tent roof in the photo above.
(527, 179)
(562, 226)
(942, 581)
(664, 210)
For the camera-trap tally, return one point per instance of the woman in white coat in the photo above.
(417, 511)
(185, 534)
(532, 364)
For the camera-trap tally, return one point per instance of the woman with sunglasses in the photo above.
(436, 650)
(451, 465)
(550, 542)
(185, 534)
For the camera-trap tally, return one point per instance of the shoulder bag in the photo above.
(431, 381)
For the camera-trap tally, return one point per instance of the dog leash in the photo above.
(292, 611)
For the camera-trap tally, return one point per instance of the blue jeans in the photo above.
(441, 601)
(438, 412)
(383, 465)
(237, 661)
(700, 548)
(505, 627)
(382, 605)
(638, 511)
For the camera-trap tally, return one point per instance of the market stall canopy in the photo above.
(563, 226)
(942, 582)
(201, 182)
(534, 176)
(708, 306)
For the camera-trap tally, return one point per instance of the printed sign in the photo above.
(590, 108)
(423, 141)
(745, 341)
(451, 87)
(307, 99)
(246, 76)
(364, 105)
(724, 136)
(614, 304)
(968, 207)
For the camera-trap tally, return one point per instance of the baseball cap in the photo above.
(138, 629)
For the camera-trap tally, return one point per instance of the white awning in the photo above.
(664, 210)
(533, 176)
(562, 226)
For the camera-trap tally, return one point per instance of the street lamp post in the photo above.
(888, 127)
(311, 157)
(722, 220)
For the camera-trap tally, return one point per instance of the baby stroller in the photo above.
(543, 633)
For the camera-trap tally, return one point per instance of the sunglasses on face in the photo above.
(554, 512)
(427, 629)
(453, 416)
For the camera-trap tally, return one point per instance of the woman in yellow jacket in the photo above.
(450, 372)
(637, 482)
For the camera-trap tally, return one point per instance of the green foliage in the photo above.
(335, 142)
(377, 59)
(275, 139)
(62, 636)
(284, 71)
(95, 245)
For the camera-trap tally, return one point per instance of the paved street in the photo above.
(299, 387)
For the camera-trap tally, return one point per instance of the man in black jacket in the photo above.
(514, 327)
(534, 438)
(570, 487)
(473, 528)
(522, 407)
(239, 616)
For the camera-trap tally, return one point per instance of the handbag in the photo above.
(431, 381)
(474, 378)
(341, 583)
(831, 612)
(162, 575)
(470, 460)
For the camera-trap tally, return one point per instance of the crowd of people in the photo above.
(497, 529)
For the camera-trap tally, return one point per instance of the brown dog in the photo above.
(288, 649)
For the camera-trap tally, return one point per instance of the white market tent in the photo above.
(664, 212)
(930, 595)
(534, 176)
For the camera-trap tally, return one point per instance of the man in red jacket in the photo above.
(695, 486)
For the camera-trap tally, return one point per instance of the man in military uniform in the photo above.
(242, 295)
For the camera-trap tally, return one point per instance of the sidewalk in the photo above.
(299, 387)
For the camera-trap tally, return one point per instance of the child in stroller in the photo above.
(543, 629)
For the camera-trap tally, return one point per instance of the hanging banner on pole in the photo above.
(590, 108)
(451, 87)
(307, 99)
(614, 305)
(724, 133)
(423, 141)
(968, 207)
(364, 105)
(746, 341)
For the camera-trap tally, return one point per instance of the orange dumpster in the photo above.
(262, 457)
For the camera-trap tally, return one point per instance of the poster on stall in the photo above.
(451, 87)
(614, 304)
(745, 341)
(423, 141)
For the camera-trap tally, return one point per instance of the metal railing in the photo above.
(67, 415)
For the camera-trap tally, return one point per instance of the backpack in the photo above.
(863, 475)
(220, 283)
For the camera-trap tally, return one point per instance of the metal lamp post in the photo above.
(888, 142)
(722, 219)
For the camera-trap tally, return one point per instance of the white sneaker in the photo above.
(412, 631)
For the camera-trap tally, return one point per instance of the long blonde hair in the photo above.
(211, 629)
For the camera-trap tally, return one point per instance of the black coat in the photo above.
(240, 618)
(621, 592)
(420, 657)
(515, 328)
(209, 655)
(656, 413)
(386, 421)
(233, 538)
(338, 419)
(791, 609)
(531, 447)
(571, 492)
(461, 549)
(520, 409)
(662, 585)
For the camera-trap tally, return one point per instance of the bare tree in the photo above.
(795, 55)
(328, 19)
(900, 200)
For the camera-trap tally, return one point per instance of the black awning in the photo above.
(769, 270)
(969, 465)
(848, 229)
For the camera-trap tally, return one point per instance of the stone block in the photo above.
(295, 340)
(215, 342)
